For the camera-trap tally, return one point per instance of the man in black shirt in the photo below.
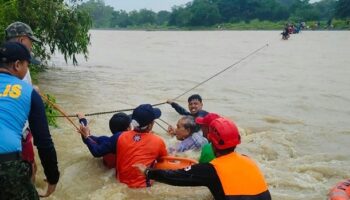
(195, 105)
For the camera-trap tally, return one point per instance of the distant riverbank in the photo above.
(252, 25)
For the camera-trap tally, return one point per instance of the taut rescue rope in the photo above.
(59, 110)
(199, 84)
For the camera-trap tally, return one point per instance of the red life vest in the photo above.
(27, 148)
(109, 160)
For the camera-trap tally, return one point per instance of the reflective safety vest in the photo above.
(240, 176)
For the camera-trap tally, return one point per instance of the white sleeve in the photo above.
(27, 78)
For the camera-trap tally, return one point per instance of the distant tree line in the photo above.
(204, 13)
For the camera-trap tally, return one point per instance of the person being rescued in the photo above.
(187, 132)
(103, 145)
(230, 175)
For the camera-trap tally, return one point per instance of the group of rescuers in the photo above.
(133, 147)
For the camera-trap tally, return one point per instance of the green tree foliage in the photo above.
(209, 13)
(50, 111)
(237, 10)
(286, 3)
(61, 27)
(163, 17)
(147, 17)
(204, 13)
(342, 9)
(180, 16)
(326, 9)
(142, 17)
(271, 10)
(98, 11)
(120, 19)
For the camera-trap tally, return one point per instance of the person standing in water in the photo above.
(195, 106)
(103, 145)
(230, 176)
(188, 133)
(139, 146)
(207, 153)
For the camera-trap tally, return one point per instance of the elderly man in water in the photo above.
(188, 133)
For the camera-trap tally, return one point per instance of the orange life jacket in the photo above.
(133, 148)
(239, 175)
(341, 191)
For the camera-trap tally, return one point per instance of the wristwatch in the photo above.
(146, 171)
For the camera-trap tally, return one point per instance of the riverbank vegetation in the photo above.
(59, 24)
(224, 14)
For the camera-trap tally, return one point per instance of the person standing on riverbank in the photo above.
(229, 176)
(22, 33)
(19, 102)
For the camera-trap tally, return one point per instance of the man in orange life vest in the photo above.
(139, 146)
(230, 176)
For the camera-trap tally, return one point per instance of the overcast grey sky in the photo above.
(155, 5)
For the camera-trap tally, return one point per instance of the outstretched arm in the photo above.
(42, 140)
(178, 108)
(195, 175)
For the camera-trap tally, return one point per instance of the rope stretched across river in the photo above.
(158, 104)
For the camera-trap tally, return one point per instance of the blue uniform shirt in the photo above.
(20, 102)
(15, 101)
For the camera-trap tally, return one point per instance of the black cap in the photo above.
(119, 122)
(145, 114)
(13, 51)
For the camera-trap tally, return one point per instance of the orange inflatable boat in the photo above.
(172, 162)
(341, 191)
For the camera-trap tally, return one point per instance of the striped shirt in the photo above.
(196, 141)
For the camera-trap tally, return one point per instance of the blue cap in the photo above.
(144, 114)
(13, 51)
